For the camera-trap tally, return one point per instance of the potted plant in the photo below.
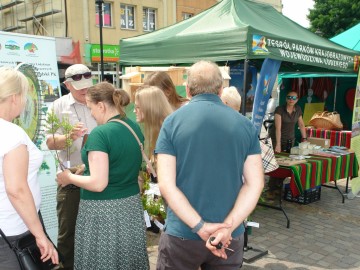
(153, 203)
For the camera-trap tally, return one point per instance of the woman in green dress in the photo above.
(110, 229)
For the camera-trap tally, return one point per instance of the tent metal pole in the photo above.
(117, 75)
(243, 98)
(335, 92)
(100, 4)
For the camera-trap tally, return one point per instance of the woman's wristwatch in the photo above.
(304, 139)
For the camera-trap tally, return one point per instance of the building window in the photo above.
(7, 19)
(149, 19)
(187, 15)
(127, 17)
(106, 15)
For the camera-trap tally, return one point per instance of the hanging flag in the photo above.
(268, 74)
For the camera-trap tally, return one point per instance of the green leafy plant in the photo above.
(67, 128)
(153, 204)
(53, 124)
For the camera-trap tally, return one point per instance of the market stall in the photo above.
(335, 90)
(240, 31)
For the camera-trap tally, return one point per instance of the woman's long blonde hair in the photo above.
(155, 108)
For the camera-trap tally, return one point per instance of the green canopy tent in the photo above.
(350, 38)
(236, 30)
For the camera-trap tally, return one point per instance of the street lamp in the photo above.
(100, 3)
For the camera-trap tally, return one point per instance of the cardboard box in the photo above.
(324, 143)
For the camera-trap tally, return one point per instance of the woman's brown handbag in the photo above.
(326, 120)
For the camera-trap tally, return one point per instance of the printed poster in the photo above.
(35, 56)
(237, 80)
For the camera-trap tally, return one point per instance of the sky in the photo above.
(297, 10)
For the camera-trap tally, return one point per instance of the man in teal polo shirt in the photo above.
(203, 150)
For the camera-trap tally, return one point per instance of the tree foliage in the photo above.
(333, 17)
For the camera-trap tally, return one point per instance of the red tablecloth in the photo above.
(337, 137)
(316, 171)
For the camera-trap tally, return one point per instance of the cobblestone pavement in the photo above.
(322, 235)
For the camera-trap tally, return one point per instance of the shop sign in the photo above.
(111, 53)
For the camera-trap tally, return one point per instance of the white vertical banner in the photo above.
(355, 138)
(35, 56)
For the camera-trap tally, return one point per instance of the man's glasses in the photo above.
(77, 77)
(292, 97)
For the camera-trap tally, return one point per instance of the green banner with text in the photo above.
(300, 52)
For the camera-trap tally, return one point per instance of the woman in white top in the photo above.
(19, 163)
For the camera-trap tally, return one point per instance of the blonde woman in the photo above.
(231, 97)
(151, 108)
(20, 161)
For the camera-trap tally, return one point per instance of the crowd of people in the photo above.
(209, 187)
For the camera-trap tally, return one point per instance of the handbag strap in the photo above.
(265, 134)
(6, 240)
(43, 225)
(264, 138)
(152, 171)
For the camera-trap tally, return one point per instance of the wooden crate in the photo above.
(130, 82)
(133, 88)
(177, 75)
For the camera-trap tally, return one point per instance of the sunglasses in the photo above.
(292, 97)
(77, 77)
